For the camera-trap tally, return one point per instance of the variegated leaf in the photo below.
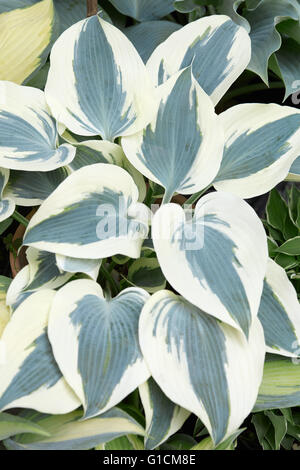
(69, 432)
(261, 143)
(146, 273)
(27, 29)
(294, 172)
(31, 188)
(211, 40)
(7, 205)
(280, 387)
(97, 83)
(181, 149)
(90, 267)
(95, 343)
(205, 366)
(4, 310)
(42, 272)
(102, 151)
(163, 417)
(28, 134)
(10, 425)
(30, 377)
(279, 312)
(217, 260)
(93, 214)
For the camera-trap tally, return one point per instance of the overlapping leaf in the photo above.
(279, 312)
(261, 143)
(211, 40)
(217, 260)
(69, 432)
(28, 134)
(201, 364)
(93, 214)
(30, 377)
(97, 83)
(31, 188)
(182, 148)
(280, 387)
(7, 205)
(27, 29)
(95, 343)
(163, 417)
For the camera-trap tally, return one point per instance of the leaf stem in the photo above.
(20, 218)
(192, 199)
(107, 275)
(92, 7)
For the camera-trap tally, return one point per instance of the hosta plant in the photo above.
(173, 301)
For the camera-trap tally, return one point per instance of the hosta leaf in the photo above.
(228, 444)
(265, 39)
(280, 387)
(205, 366)
(93, 214)
(279, 312)
(31, 188)
(26, 34)
(287, 61)
(17, 292)
(144, 10)
(146, 273)
(217, 260)
(30, 377)
(214, 39)
(7, 205)
(163, 417)
(148, 35)
(102, 151)
(90, 267)
(294, 173)
(69, 432)
(181, 149)
(4, 310)
(69, 12)
(230, 7)
(97, 83)
(28, 135)
(95, 343)
(42, 272)
(262, 141)
(11, 425)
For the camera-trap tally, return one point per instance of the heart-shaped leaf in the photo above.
(95, 342)
(97, 83)
(92, 214)
(203, 365)
(217, 260)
